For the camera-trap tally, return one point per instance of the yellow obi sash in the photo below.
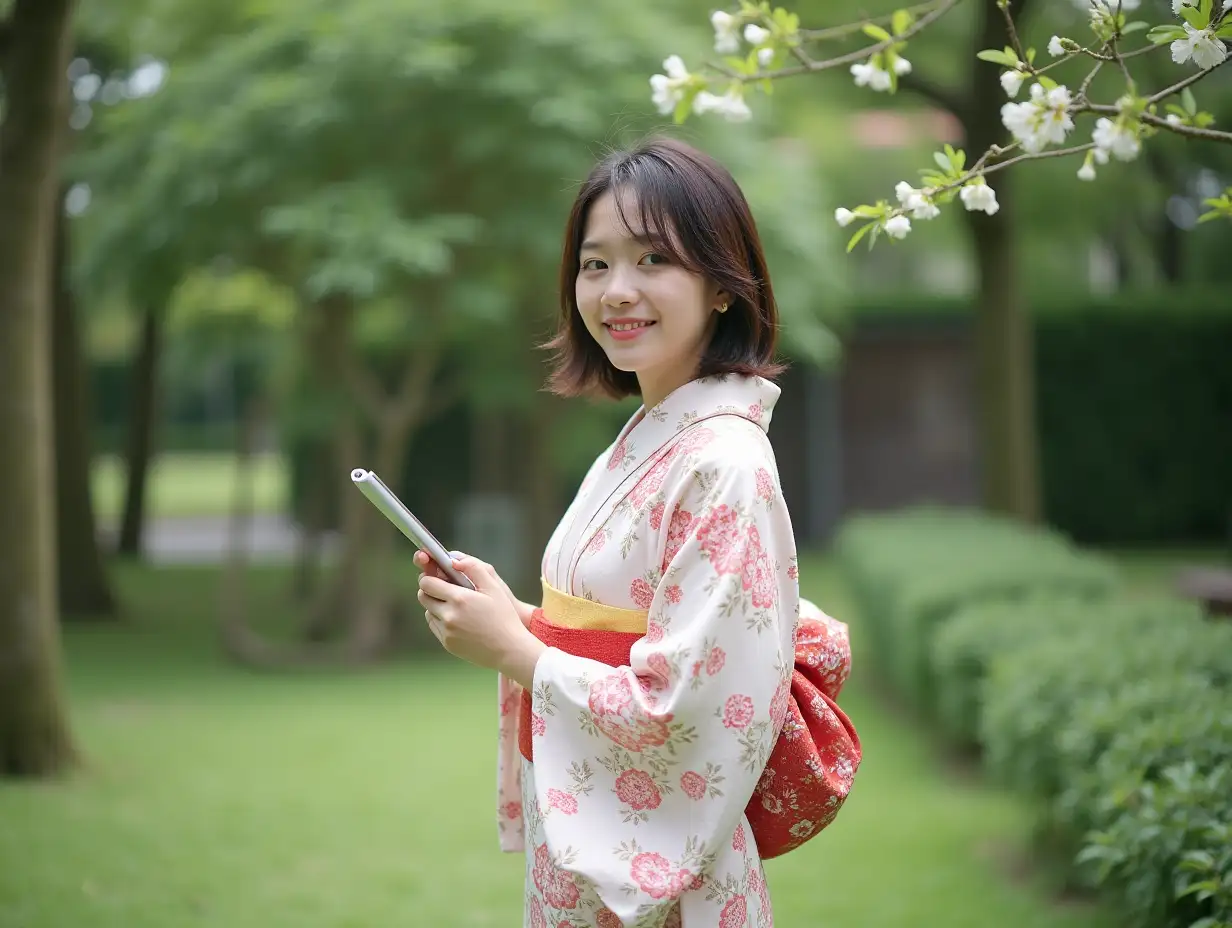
(573, 612)
(583, 628)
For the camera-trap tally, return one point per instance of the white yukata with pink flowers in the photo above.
(632, 813)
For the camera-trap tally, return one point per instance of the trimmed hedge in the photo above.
(912, 571)
(1112, 711)
(1133, 404)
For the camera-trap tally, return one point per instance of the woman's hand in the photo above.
(481, 626)
(428, 566)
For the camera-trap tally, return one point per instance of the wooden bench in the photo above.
(1212, 586)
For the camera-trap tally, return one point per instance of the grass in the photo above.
(189, 484)
(221, 797)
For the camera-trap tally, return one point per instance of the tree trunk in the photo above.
(1004, 343)
(34, 732)
(142, 422)
(84, 589)
(353, 620)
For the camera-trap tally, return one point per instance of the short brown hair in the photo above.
(692, 205)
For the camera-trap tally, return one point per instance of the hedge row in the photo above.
(1133, 398)
(1113, 710)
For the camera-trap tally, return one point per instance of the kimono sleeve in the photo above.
(661, 757)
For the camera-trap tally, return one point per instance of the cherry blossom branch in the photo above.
(1182, 84)
(841, 32)
(810, 65)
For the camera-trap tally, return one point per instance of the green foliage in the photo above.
(1114, 712)
(1124, 728)
(967, 643)
(913, 570)
(1133, 393)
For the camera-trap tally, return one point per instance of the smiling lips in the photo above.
(626, 329)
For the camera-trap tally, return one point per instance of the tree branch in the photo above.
(810, 65)
(1193, 132)
(839, 32)
(6, 41)
(1182, 84)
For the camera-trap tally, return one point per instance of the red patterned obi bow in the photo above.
(814, 761)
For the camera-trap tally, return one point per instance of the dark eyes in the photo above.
(596, 264)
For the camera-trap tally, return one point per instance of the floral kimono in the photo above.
(639, 775)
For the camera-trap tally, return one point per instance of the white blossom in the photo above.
(668, 89)
(1011, 82)
(730, 106)
(755, 34)
(726, 32)
(979, 196)
(916, 201)
(869, 75)
(1041, 121)
(898, 227)
(765, 56)
(844, 216)
(1200, 44)
(1172, 119)
(1100, 8)
(1177, 4)
(1055, 48)
(902, 66)
(1087, 171)
(1116, 138)
(1126, 6)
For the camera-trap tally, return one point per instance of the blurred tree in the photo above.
(83, 584)
(404, 171)
(34, 48)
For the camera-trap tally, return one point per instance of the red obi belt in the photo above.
(814, 761)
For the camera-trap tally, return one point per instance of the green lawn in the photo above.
(189, 484)
(216, 796)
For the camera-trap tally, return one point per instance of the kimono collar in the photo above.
(751, 398)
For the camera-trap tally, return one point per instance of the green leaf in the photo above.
(1161, 34)
(942, 159)
(1202, 120)
(876, 32)
(860, 233)
(1136, 26)
(872, 212)
(1194, 17)
(997, 57)
(1204, 9)
(1047, 82)
(1188, 101)
(1176, 110)
(900, 22)
(1207, 217)
(1030, 56)
(1225, 31)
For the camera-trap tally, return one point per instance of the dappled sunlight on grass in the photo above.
(214, 795)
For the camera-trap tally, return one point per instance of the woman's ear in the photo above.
(722, 301)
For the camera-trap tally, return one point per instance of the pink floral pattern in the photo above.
(683, 520)
(693, 784)
(637, 789)
(738, 711)
(616, 714)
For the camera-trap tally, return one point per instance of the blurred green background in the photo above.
(297, 238)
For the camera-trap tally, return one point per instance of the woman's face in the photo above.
(651, 317)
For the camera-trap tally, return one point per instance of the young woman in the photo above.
(667, 714)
